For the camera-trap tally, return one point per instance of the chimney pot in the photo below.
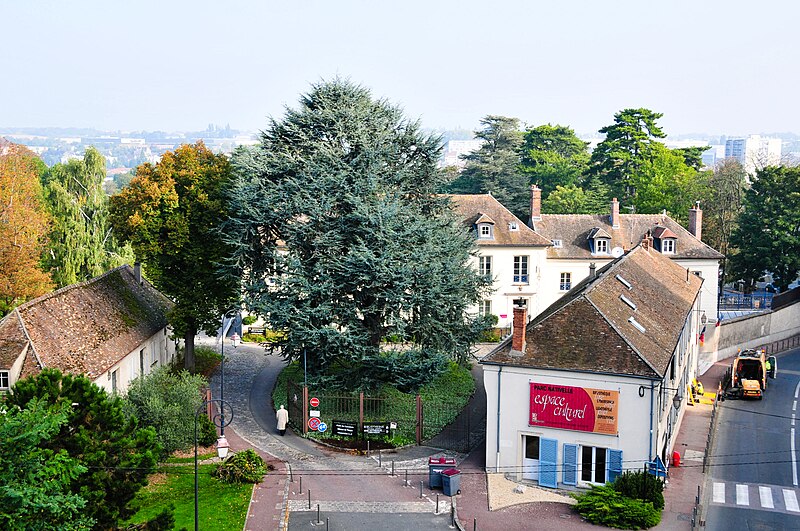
(696, 220)
(592, 270)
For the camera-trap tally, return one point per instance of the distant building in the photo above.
(456, 148)
(754, 152)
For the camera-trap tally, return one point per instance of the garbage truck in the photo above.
(749, 373)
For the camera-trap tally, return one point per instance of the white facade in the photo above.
(156, 351)
(754, 152)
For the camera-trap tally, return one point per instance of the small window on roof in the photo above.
(637, 325)
(557, 243)
(624, 282)
(513, 226)
(627, 301)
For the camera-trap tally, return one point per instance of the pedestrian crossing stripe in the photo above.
(772, 498)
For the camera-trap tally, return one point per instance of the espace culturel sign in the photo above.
(574, 408)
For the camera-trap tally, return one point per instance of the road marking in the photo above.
(797, 389)
(719, 492)
(790, 500)
(765, 493)
(794, 405)
(794, 458)
(742, 495)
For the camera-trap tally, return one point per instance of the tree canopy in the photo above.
(553, 156)
(117, 454)
(81, 244)
(24, 223)
(723, 205)
(171, 213)
(342, 240)
(495, 167)
(767, 237)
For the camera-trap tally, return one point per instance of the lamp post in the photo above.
(220, 420)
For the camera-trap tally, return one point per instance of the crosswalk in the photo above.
(765, 497)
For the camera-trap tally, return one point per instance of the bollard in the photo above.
(420, 489)
(367, 448)
(474, 524)
(452, 513)
(697, 498)
(326, 523)
(380, 458)
(301, 485)
(392, 467)
(291, 478)
(406, 478)
(318, 521)
(437, 503)
(309, 499)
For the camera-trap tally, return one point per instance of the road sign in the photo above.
(314, 423)
(314, 413)
(322, 427)
(314, 402)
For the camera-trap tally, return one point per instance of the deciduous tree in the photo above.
(367, 248)
(723, 206)
(768, 233)
(24, 223)
(171, 212)
(117, 454)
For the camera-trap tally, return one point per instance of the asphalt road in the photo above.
(753, 477)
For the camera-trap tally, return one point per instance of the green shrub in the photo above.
(206, 360)
(603, 505)
(642, 486)
(489, 336)
(243, 467)
(252, 338)
(247, 320)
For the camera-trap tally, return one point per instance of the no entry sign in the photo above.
(314, 402)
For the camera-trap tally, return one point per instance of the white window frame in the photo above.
(565, 281)
(485, 307)
(521, 270)
(595, 451)
(485, 265)
(513, 226)
(5, 380)
(668, 246)
(600, 246)
(485, 231)
(557, 244)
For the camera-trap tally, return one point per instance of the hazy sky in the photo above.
(710, 66)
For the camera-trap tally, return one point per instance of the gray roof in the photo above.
(573, 230)
(589, 329)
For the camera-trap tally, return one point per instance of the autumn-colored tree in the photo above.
(171, 213)
(24, 223)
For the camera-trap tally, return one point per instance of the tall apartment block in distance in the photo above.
(754, 152)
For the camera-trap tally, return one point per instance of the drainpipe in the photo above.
(651, 418)
(497, 455)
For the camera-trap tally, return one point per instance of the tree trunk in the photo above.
(188, 340)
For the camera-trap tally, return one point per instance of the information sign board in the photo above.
(344, 428)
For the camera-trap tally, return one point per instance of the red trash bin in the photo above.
(676, 459)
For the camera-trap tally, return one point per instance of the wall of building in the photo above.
(158, 350)
(753, 331)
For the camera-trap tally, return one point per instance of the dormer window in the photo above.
(600, 246)
(557, 244)
(599, 241)
(485, 231)
(665, 240)
(668, 246)
(513, 226)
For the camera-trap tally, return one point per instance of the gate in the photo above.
(464, 433)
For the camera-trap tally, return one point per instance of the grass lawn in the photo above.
(222, 506)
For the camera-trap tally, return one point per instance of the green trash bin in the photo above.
(451, 481)
(435, 467)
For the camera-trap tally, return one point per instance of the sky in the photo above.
(710, 66)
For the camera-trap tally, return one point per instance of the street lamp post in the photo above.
(220, 420)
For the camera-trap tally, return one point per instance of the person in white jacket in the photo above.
(283, 419)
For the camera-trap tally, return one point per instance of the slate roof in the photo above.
(485, 208)
(85, 328)
(573, 230)
(588, 330)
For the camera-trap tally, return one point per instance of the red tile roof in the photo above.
(474, 208)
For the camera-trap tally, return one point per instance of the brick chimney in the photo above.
(518, 327)
(536, 205)
(696, 220)
(614, 213)
(647, 241)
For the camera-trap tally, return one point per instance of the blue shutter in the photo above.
(570, 464)
(548, 463)
(614, 460)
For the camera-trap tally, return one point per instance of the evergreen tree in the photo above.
(367, 248)
(117, 454)
(81, 244)
(553, 156)
(768, 233)
(171, 213)
(495, 167)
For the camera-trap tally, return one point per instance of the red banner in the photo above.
(574, 408)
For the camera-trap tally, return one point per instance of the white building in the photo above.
(754, 152)
(112, 329)
(455, 149)
(597, 383)
(509, 251)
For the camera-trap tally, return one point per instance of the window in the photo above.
(484, 231)
(668, 246)
(5, 380)
(520, 269)
(557, 244)
(141, 361)
(153, 354)
(513, 226)
(114, 381)
(600, 246)
(485, 266)
(485, 307)
(593, 464)
(566, 282)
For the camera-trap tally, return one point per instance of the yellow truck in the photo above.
(749, 373)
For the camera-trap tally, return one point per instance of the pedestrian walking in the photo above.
(283, 419)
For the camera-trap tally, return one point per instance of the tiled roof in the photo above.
(86, 328)
(573, 231)
(478, 207)
(588, 329)
(12, 340)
